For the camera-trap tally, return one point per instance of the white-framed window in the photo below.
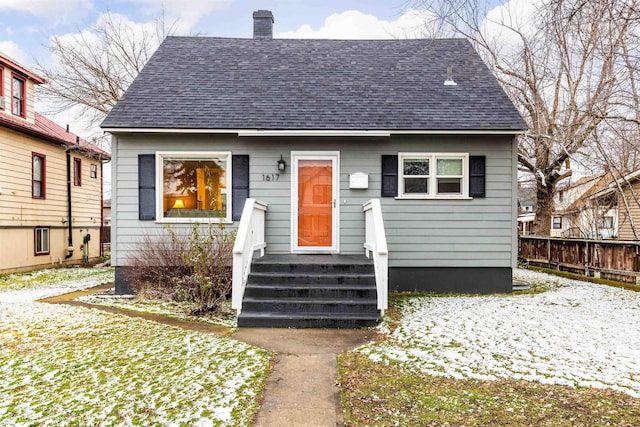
(93, 171)
(433, 175)
(193, 186)
(41, 244)
(605, 222)
(557, 222)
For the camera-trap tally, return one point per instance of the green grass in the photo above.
(72, 366)
(376, 394)
(53, 277)
(574, 276)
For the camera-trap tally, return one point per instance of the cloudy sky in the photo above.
(27, 25)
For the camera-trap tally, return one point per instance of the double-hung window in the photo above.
(557, 222)
(77, 172)
(38, 176)
(433, 175)
(93, 171)
(18, 97)
(41, 243)
(2, 88)
(194, 186)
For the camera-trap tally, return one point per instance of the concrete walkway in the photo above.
(302, 388)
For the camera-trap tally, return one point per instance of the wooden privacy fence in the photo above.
(608, 259)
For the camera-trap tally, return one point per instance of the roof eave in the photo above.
(49, 138)
(317, 132)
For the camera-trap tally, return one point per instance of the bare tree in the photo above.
(94, 67)
(558, 63)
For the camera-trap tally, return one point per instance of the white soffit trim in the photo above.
(321, 132)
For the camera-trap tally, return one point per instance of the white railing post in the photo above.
(249, 238)
(375, 243)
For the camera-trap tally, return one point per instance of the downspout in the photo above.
(101, 207)
(69, 220)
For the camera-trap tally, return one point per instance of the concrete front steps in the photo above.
(310, 291)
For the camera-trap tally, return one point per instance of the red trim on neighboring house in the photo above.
(23, 96)
(43, 181)
(52, 132)
(77, 172)
(1, 81)
(10, 63)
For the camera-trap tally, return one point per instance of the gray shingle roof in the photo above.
(222, 83)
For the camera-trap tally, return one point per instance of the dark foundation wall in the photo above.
(121, 282)
(476, 280)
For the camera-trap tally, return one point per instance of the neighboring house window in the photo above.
(18, 97)
(557, 222)
(1, 88)
(38, 176)
(432, 175)
(77, 172)
(41, 240)
(93, 171)
(194, 186)
(605, 222)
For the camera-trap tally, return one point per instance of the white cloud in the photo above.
(353, 24)
(503, 23)
(185, 13)
(60, 10)
(13, 51)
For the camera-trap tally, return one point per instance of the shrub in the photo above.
(195, 267)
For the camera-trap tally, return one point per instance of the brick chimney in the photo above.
(262, 25)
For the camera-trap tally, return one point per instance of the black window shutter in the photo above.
(146, 187)
(389, 176)
(477, 176)
(239, 184)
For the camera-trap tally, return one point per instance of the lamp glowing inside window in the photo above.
(195, 187)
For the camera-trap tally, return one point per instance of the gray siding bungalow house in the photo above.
(319, 152)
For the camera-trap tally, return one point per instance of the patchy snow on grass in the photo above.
(62, 365)
(174, 309)
(576, 334)
(31, 286)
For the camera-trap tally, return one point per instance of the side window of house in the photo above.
(38, 176)
(433, 175)
(18, 97)
(195, 185)
(557, 222)
(77, 172)
(93, 171)
(41, 243)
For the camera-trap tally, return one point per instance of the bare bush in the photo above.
(194, 267)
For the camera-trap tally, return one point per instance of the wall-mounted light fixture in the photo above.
(281, 164)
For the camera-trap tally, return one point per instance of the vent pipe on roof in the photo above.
(449, 81)
(263, 25)
(67, 127)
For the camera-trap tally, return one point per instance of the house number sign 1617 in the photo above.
(270, 176)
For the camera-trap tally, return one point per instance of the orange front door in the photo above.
(315, 199)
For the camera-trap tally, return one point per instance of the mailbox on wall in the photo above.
(359, 180)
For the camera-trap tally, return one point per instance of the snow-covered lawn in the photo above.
(39, 284)
(576, 334)
(62, 365)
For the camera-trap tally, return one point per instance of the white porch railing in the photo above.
(249, 239)
(376, 243)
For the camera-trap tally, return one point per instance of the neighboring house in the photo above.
(106, 213)
(526, 207)
(315, 129)
(50, 182)
(624, 195)
(578, 214)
